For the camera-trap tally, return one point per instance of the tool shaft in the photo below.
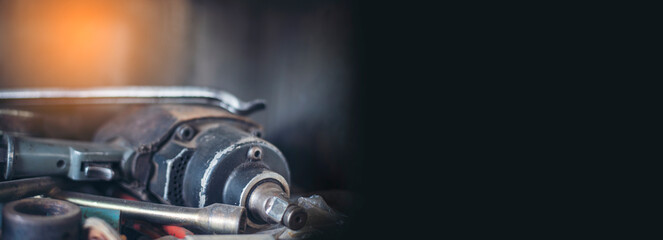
(215, 218)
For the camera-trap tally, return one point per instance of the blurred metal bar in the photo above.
(17, 189)
(130, 95)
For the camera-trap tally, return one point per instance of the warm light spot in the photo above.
(80, 43)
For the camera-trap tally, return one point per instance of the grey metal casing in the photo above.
(192, 172)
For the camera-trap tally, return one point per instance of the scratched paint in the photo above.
(219, 155)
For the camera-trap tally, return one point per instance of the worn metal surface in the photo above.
(323, 221)
(269, 202)
(192, 156)
(17, 189)
(214, 167)
(195, 156)
(41, 218)
(150, 126)
(146, 130)
(130, 95)
(33, 157)
(216, 218)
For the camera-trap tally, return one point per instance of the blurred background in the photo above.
(297, 55)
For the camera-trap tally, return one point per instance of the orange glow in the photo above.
(80, 43)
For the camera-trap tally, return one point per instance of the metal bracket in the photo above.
(130, 95)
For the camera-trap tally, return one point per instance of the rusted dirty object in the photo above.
(147, 130)
(195, 156)
(192, 156)
(150, 126)
(322, 221)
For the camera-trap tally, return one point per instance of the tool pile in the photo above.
(172, 162)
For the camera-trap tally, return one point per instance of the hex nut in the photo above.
(275, 208)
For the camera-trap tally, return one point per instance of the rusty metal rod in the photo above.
(215, 218)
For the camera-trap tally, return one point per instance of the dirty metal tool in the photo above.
(269, 202)
(195, 156)
(216, 218)
(33, 157)
(41, 218)
(180, 154)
